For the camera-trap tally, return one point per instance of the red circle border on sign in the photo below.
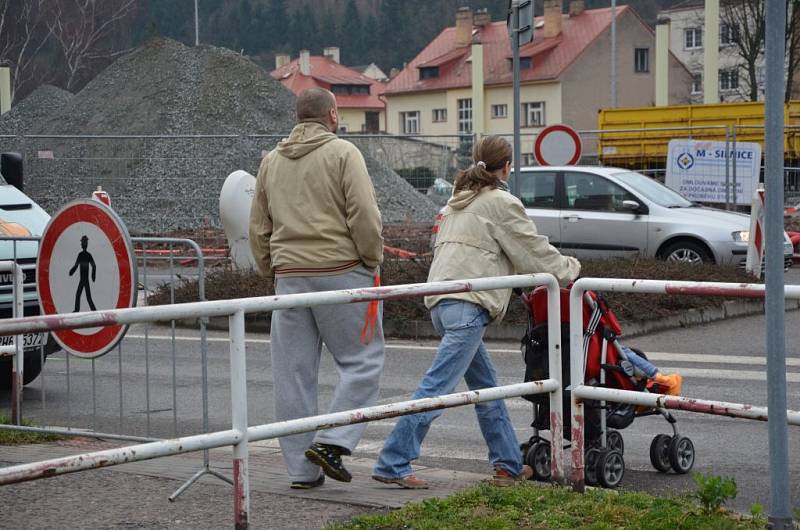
(92, 212)
(537, 145)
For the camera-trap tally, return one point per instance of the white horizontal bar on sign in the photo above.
(719, 408)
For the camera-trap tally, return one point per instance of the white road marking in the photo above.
(653, 356)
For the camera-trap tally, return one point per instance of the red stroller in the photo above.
(605, 365)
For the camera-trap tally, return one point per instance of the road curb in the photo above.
(423, 329)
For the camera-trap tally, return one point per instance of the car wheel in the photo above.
(33, 367)
(687, 252)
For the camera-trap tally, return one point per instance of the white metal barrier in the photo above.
(16, 348)
(581, 392)
(240, 434)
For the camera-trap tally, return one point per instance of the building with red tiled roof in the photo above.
(564, 74)
(361, 108)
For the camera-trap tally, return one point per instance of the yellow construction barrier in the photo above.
(639, 136)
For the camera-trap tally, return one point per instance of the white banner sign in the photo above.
(696, 170)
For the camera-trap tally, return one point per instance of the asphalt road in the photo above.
(722, 361)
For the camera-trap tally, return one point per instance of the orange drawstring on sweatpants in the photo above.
(368, 331)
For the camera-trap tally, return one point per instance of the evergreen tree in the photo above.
(351, 38)
(277, 24)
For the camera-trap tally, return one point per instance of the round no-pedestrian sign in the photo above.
(86, 263)
(558, 145)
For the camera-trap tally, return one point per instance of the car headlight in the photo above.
(743, 235)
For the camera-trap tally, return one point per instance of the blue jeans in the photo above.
(461, 354)
(648, 368)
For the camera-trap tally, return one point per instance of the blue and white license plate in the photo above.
(29, 340)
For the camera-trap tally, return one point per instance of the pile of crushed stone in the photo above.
(40, 104)
(227, 110)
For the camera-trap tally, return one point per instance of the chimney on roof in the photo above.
(305, 62)
(463, 27)
(282, 59)
(552, 18)
(576, 7)
(332, 53)
(482, 17)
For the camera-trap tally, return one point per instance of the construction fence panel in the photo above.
(122, 393)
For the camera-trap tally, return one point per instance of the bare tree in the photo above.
(80, 27)
(746, 21)
(792, 44)
(23, 34)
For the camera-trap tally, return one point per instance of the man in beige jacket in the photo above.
(315, 226)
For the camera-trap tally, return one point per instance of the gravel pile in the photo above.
(398, 201)
(45, 101)
(162, 184)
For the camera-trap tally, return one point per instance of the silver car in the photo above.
(600, 212)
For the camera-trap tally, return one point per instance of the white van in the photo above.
(20, 217)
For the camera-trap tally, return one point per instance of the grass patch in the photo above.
(530, 506)
(224, 283)
(9, 437)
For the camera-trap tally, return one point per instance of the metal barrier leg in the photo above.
(204, 375)
(556, 399)
(576, 379)
(241, 483)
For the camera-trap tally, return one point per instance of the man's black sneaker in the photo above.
(298, 485)
(328, 457)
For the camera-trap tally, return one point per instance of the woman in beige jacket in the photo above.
(484, 231)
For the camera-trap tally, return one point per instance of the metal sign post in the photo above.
(521, 32)
(779, 515)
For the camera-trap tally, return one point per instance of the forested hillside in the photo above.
(67, 42)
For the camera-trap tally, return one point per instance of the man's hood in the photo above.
(305, 137)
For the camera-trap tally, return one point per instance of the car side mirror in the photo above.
(11, 169)
(632, 206)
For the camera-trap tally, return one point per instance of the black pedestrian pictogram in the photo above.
(83, 260)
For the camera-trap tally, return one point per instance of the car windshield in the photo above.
(653, 190)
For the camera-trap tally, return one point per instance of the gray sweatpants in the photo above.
(297, 336)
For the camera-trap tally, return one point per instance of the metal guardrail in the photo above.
(240, 434)
(581, 392)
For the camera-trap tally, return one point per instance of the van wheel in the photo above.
(687, 252)
(33, 367)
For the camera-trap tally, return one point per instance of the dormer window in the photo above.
(524, 63)
(429, 72)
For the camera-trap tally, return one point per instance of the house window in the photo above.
(693, 38)
(728, 34)
(533, 114)
(500, 111)
(525, 63)
(350, 89)
(429, 72)
(439, 115)
(528, 159)
(641, 60)
(697, 83)
(410, 122)
(465, 116)
(729, 79)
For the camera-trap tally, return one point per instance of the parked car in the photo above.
(20, 216)
(602, 212)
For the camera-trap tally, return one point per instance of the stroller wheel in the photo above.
(590, 466)
(614, 441)
(610, 468)
(539, 459)
(659, 452)
(681, 454)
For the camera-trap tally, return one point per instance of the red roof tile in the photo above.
(326, 72)
(551, 56)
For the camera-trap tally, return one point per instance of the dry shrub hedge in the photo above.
(224, 283)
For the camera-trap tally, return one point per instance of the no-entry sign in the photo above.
(86, 263)
(557, 145)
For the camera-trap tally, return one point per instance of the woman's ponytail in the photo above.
(490, 154)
